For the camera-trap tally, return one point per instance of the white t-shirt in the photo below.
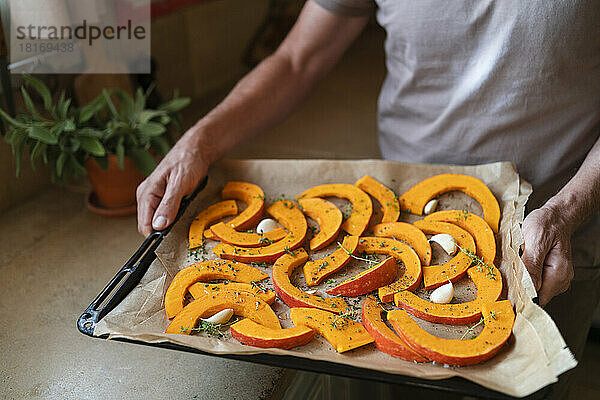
(477, 81)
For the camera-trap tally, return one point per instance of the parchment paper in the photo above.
(532, 359)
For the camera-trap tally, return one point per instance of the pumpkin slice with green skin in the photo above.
(227, 234)
(203, 272)
(489, 287)
(407, 233)
(294, 297)
(316, 271)
(371, 279)
(252, 334)
(400, 251)
(207, 216)
(454, 269)
(415, 199)
(499, 318)
(249, 193)
(329, 218)
(385, 339)
(203, 289)
(342, 333)
(476, 226)
(288, 215)
(244, 304)
(362, 207)
(384, 195)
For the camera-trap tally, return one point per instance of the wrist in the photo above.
(201, 144)
(563, 213)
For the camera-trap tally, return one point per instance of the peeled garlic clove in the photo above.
(221, 317)
(443, 294)
(446, 241)
(430, 206)
(313, 291)
(267, 225)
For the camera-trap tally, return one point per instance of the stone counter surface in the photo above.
(55, 257)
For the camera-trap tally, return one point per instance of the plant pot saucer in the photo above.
(94, 206)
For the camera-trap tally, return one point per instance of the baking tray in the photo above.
(134, 269)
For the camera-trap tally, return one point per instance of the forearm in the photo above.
(580, 197)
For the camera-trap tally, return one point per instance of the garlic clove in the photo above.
(267, 225)
(221, 317)
(447, 242)
(443, 294)
(430, 206)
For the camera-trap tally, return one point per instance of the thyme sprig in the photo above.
(480, 263)
(339, 320)
(356, 257)
(471, 329)
(209, 328)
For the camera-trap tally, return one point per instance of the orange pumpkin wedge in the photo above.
(342, 333)
(385, 339)
(407, 233)
(253, 334)
(198, 290)
(206, 271)
(489, 287)
(362, 207)
(384, 195)
(400, 251)
(437, 275)
(227, 234)
(294, 297)
(211, 214)
(476, 226)
(249, 193)
(316, 271)
(499, 318)
(244, 304)
(329, 218)
(371, 279)
(415, 199)
(288, 215)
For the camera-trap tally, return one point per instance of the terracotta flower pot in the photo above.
(114, 187)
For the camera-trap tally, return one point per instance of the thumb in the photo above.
(534, 255)
(167, 209)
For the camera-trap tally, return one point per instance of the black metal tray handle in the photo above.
(131, 273)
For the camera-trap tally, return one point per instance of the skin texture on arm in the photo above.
(547, 231)
(260, 100)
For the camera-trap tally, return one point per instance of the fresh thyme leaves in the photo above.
(340, 320)
(347, 212)
(209, 328)
(264, 240)
(464, 214)
(198, 254)
(369, 260)
(480, 263)
(256, 265)
(287, 250)
(330, 282)
(471, 329)
(257, 286)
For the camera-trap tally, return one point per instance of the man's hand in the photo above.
(547, 252)
(158, 196)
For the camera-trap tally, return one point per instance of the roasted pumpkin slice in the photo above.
(205, 289)
(288, 215)
(400, 251)
(211, 214)
(437, 275)
(227, 234)
(489, 286)
(316, 271)
(253, 334)
(415, 199)
(476, 226)
(249, 193)
(384, 195)
(206, 271)
(499, 318)
(385, 339)
(362, 207)
(342, 333)
(371, 279)
(407, 233)
(294, 297)
(329, 218)
(244, 304)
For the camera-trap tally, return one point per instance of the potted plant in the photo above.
(114, 139)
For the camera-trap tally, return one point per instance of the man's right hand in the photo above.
(158, 196)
